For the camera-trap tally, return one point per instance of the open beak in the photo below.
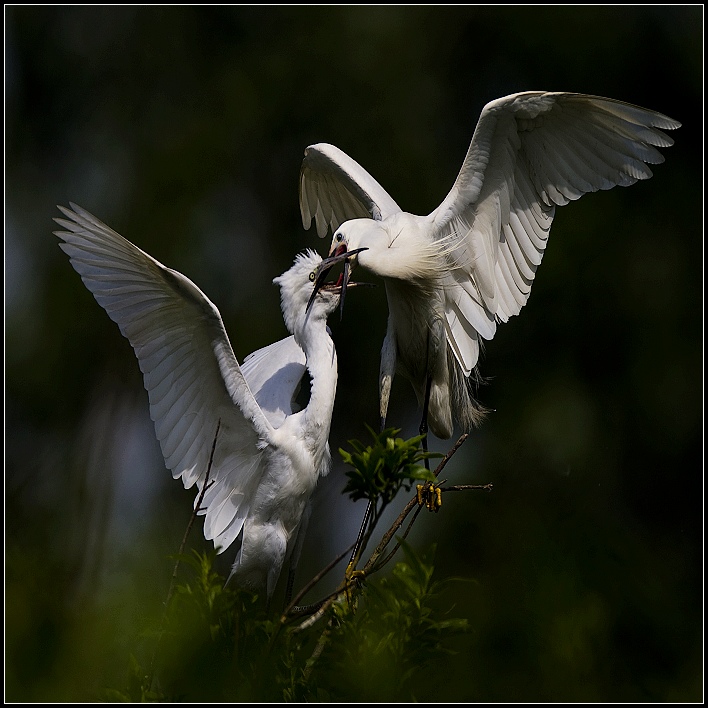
(327, 265)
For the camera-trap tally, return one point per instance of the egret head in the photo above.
(351, 238)
(353, 235)
(297, 286)
(304, 293)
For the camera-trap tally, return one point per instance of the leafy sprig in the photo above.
(381, 469)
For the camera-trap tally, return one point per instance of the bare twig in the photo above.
(398, 543)
(462, 487)
(319, 647)
(192, 518)
(326, 604)
(386, 538)
(450, 453)
(292, 607)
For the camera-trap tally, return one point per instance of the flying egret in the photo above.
(268, 456)
(452, 275)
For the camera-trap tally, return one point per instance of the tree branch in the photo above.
(373, 565)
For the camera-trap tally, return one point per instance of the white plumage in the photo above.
(453, 275)
(268, 455)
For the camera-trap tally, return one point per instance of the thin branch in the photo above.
(319, 647)
(292, 607)
(320, 612)
(463, 487)
(450, 453)
(398, 543)
(386, 538)
(192, 518)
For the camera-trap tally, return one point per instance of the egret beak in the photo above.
(345, 282)
(327, 265)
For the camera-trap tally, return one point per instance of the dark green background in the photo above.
(183, 128)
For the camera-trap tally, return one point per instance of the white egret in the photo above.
(452, 275)
(268, 456)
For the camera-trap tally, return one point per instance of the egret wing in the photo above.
(335, 188)
(531, 152)
(189, 369)
(274, 374)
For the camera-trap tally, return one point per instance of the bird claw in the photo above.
(430, 495)
(354, 580)
(353, 576)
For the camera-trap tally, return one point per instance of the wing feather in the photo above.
(466, 319)
(193, 380)
(274, 374)
(335, 188)
(531, 152)
(462, 337)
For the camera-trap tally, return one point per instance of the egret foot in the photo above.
(353, 579)
(353, 576)
(429, 495)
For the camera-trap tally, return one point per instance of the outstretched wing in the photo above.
(531, 152)
(274, 374)
(334, 188)
(192, 377)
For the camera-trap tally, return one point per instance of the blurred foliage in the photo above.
(219, 644)
(394, 645)
(183, 128)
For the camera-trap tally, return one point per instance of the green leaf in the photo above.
(381, 469)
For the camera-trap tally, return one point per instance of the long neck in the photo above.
(322, 364)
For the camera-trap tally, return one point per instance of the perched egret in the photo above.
(452, 275)
(267, 456)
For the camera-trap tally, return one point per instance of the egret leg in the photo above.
(297, 550)
(423, 430)
(365, 522)
(289, 586)
(360, 537)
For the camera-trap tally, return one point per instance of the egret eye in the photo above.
(312, 276)
(339, 237)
